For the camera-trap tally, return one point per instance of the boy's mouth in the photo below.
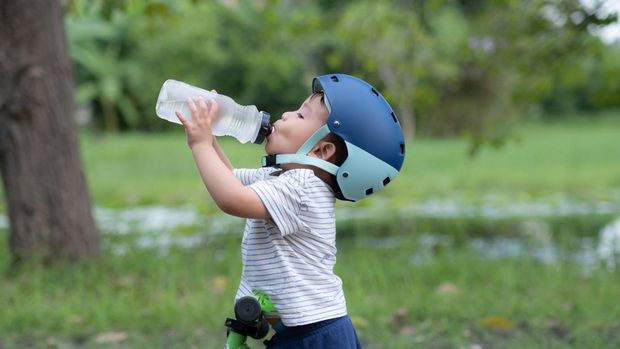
(271, 131)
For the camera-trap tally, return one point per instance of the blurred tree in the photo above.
(531, 44)
(449, 67)
(386, 43)
(464, 67)
(247, 52)
(104, 38)
(604, 79)
(48, 202)
(124, 50)
(592, 84)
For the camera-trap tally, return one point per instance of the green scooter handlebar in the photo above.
(236, 341)
(249, 320)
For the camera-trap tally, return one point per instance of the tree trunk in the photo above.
(48, 202)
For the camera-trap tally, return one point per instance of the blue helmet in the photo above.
(359, 115)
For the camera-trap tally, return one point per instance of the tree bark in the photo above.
(48, 202)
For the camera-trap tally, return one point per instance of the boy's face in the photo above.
(294, 127)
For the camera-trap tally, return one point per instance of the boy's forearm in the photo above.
(225, 188)
(222, 155)
(216, 175)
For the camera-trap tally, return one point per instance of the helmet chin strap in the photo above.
(301, 156)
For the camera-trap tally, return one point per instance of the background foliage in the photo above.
(449, 67)
(497, 250)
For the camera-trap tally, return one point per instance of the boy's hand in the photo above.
(198, 130)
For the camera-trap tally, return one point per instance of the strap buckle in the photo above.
(269, 160)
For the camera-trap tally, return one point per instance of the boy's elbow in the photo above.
(245, 205)
(227, 206)
(233, 206)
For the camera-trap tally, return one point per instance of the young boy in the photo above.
(343, 142)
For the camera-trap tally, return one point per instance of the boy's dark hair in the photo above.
(339, 157)
(341, 148)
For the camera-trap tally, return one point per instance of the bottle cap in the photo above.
(265, 128)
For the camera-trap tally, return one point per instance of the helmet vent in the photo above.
(386, 180)
(369, 191)
(375, 92)
(402, 148)
(394, 118)
(334, 78)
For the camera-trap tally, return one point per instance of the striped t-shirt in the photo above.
(291, 256)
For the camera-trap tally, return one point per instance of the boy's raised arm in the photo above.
(221, 154)
(227, 191)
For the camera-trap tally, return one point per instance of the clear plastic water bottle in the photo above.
(245, 123)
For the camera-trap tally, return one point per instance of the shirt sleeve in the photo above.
(283, 199)
(247, 176)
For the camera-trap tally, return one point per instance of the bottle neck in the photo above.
(265, 128)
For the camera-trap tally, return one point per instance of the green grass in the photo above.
(455, 299)
(149, 296)
(460, 298)
(577, 158)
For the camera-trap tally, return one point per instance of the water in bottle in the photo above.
(245, 123)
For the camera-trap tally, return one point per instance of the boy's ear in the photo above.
(324, 150)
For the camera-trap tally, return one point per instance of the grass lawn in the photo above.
(577, 158)
(454, 297)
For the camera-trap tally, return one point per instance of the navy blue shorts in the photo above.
(336, 333)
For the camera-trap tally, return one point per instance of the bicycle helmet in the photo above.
(359, 115)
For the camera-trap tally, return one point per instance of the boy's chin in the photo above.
(275, 148)
(271, 149)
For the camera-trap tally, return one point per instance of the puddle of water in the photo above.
(492, 207)
(159, 227)
(151, 219)
(583, 254)
(609, 244)
(162, 243)
(590, 252)
(450, 209)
